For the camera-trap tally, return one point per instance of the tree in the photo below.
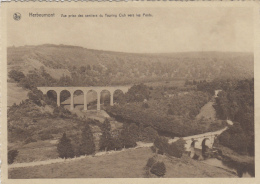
(65, 148)
(138, 93)
(127, 137)
(149, 134)
(234, 138)
(158, 169)
(12, 154)
(177, 148)
(35, 95)
(106, 141)
(106, 125)
(87, 145)
(161, 144)
(16, 75)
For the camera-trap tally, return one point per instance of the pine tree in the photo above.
(65, 148)
(87, 145)
(106, 141)
(106, 125)
(127, 138)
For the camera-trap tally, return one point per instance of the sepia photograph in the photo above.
(126, 92)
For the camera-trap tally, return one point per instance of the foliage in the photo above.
(35, 96)
(138, 93)
(188, 105)
(16, 75)
(12, 154)
(106, 141)
(156, 117)
(150, 162)
(117, 143)
(106, 126)
(161, 144)
(235, 139)
(236, 102)
(149, 134)
(128, 136)
(177, 148)
(65, 148)
(46, 136)
(90, 67)
(158, 169)
(87, 145)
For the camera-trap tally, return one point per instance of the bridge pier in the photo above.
(58, 98)
(98, 100)
(111, 98)
(71, 101)
(85, 101)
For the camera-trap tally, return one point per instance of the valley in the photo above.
(170, 96)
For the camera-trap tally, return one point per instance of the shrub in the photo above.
(46, 136)
(12, 154)
(29, 140)
(177, 148)
(150, 162)
(16, 75)
(149, 134)
(158, 169)
(65, 148)
(153, 148)
(161, 144)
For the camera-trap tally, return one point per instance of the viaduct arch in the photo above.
(85, 90)
(200, 140)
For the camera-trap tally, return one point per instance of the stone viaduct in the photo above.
(200, 140)
(85, 90)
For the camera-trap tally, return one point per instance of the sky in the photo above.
(168, 30)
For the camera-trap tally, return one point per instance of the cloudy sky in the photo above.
(169, 30)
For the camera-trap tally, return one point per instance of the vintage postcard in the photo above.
(130, 92)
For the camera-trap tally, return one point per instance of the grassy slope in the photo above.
(127, 164)
(15, 94)
(207, 111)
(36, 151)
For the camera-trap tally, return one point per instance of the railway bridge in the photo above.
(85, 90)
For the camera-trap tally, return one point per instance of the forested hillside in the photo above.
(235, 102)
(81, 66)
